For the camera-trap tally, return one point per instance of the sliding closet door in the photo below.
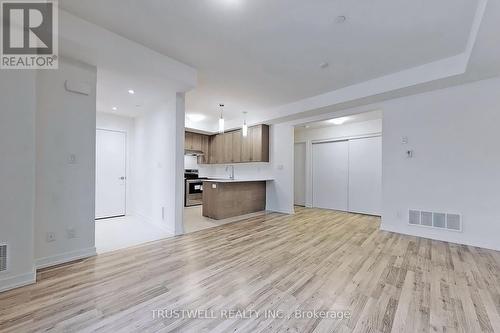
(330, 175)
(365, 175)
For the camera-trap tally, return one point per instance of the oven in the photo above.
(193, 189)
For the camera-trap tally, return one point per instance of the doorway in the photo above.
(299, 172)
(111, 171)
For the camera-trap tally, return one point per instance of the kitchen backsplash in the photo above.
(251, 170)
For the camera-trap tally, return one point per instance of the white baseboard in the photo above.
(65, 257)
(18, 281)
(442, 238)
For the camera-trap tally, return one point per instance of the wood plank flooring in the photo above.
(313, 260)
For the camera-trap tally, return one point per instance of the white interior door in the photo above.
(365, 175)
(331, 175)
(300, 174)
(110, 173)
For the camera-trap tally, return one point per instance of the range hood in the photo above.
(189, 152)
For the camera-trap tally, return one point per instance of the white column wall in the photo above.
(17, 175)
(65, 189)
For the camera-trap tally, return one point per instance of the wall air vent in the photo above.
(444, 221)
(414, 217)
(3, 257)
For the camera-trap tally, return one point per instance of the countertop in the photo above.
(237, 180)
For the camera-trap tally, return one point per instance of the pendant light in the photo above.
(245, 126)
(221, 119)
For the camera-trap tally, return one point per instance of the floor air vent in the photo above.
(3, 257)
(435, 220)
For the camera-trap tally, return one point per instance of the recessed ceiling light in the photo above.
(195, 117)
(114, 108)
(339, 121)
(324, 65)
(131, 92)
(340, 19)
(307, 126)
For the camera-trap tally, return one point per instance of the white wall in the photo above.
(17, 175)
(279, 195)
(154, 165)
(65, 190)
(308, 135)
(113, 122)
(454, 133)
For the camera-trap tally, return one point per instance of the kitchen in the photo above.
(226, 175)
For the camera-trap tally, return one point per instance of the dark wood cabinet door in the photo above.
(228, 147)
(236, 152)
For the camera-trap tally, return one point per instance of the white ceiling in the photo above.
(112, 92)
(356, 118)
(258, 54)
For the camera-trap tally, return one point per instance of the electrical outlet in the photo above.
(71, 233)
(72, 159)
(51, 237)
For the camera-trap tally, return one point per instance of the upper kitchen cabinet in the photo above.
(198, 144)
(227, 155)
(193, 141)
(236, 151)
(232, 147)
(216, 149)
(205, 148)
(255, 146)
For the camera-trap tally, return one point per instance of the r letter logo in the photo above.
(29, 35)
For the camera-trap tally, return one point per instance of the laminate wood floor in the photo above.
(289, 265)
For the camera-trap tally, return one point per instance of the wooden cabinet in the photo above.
(205, 148)
(224, 200)
(188, 141)
(228, 147)
(246, 147)
(200, 143)
(236, 151)
(216, 149)
(255, 147)
(260, 143)
(231, 147)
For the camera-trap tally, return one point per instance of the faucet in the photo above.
(231, 174)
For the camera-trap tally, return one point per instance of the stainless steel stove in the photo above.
(193, 189)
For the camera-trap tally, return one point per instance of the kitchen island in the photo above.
(224, 198)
